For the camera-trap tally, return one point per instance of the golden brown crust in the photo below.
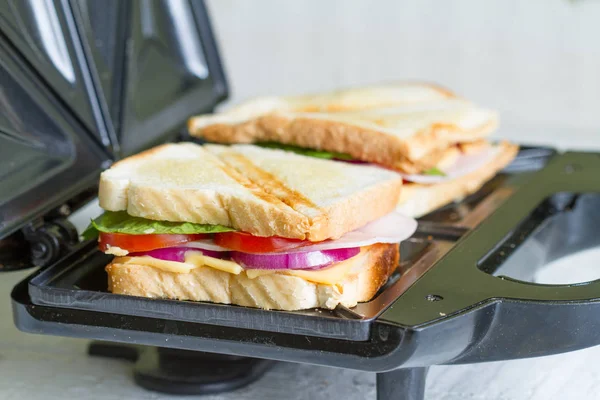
(385, 260)
(419, 199)
(361, 143)
(474, 147)
(438, 158)
(382, 124)
(143, 155)
(272, 291)
(440, 136)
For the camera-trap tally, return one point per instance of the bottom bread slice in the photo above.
(417, 200)
(275, 291)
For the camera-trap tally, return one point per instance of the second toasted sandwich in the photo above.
(435, 139)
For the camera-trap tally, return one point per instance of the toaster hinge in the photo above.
(39, 244)
(49, 240)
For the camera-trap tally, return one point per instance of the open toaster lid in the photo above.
(83, 83)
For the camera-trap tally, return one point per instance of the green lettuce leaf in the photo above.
(434, 171)
(121, 222)
(306, 152)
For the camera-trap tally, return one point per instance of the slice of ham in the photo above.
(392, 228)
(465, 164)
(205, 244)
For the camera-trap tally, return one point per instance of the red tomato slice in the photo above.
(247, 243)
(136, 243)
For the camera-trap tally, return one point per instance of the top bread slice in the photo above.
(386, 125)
(264, 192)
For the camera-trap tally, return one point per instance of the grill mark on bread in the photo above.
(213, 291)
(245, 295)
(278, 291)
(187, 289)
(249, 184)
(268, 182)
(263, 292)
(161, 283)
(165, 187)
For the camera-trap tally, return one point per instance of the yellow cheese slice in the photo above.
(168, 266)
(328, 276)
(198, 259)
(331, 275)
(193, 259)
(116, 251)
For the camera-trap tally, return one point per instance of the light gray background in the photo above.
(537, 61)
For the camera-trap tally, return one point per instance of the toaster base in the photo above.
(184, 372)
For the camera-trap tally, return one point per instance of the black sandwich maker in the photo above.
(85, 83)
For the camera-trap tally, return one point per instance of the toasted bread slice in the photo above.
(417, 200)
(261, 191)
(385, 125)
(439, 158)
(274, 291)
(342, 100)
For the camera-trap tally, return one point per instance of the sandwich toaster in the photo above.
(85, 83)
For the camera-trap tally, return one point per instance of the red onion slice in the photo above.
(307, 260)
(176, 253)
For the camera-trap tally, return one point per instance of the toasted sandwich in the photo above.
(249, 226)
(435, 139)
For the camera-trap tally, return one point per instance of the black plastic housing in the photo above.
(87, 82)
